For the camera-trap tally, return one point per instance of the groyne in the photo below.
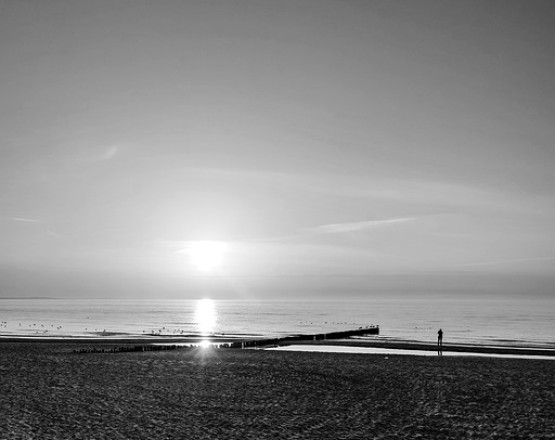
(223, 343)
(370, 330)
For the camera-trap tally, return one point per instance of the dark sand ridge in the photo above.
(48, 392)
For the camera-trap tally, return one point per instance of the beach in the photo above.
(48, 391)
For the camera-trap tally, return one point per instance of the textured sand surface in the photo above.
(48, 392)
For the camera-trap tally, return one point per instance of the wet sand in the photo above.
(447, 348)
(399, 351)
(49, 392)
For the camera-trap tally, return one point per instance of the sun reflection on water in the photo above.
(206, 316)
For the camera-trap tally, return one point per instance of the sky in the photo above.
(325, 148)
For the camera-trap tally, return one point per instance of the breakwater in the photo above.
(370, 330)
(218, 342)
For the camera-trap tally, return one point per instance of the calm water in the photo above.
(464, 320)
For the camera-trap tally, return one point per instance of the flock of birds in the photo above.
(37, 328)
(43, 328)
(52, 328)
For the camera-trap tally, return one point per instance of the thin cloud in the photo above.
(340, 228)
(109, 153)
(178, 246)
(25, 220)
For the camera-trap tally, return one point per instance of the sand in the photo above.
(49, 392)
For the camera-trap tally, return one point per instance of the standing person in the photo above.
(440, 341)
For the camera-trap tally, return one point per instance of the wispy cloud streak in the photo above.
(339, 228)
(180, 246)
(25, 220)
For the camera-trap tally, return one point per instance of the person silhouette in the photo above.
(440, 341)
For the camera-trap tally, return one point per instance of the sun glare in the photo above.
(206, 255)
(204, 344)
(205, 316)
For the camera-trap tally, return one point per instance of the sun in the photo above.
(206, 255)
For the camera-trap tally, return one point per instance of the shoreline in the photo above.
(362, 343)
(403, 344)
(121, 339)
(404, 352)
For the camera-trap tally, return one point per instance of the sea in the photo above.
(487, 320)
